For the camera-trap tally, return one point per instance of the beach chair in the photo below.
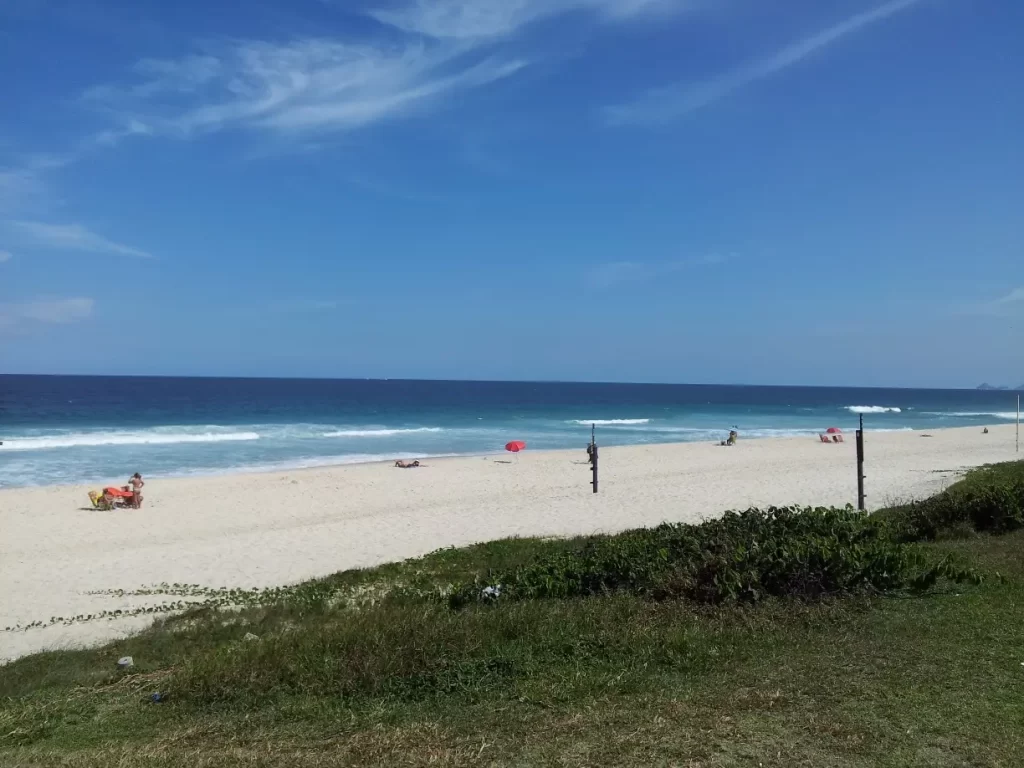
(110, 498)
(824, 438)
(100, 501)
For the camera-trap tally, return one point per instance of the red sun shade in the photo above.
(515, 446)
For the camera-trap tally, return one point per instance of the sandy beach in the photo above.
(259, 530)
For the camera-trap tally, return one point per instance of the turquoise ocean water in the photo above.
(64, 429)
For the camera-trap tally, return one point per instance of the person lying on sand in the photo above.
(406, 464)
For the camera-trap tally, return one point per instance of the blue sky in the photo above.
(802, 191)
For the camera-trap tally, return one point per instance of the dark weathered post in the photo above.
(860, 466)
(593, 455)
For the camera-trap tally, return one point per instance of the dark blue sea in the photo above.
(67, 429)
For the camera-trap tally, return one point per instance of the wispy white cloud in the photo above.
(663, 105)
(304, 86)
(322, 85)
(1001, 306)
(26, 191)
(473, 20)
(619, 272)
(112, 136)
(73, 237)
(18, 316)
(185, 75)
(1016, 296)
(24, 186)
(461, 19)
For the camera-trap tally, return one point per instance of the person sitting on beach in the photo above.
(406, 464)
(135, 486)
(115, 497)
(733, 437)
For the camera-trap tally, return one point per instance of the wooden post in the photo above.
(860, 466)
(593, 456)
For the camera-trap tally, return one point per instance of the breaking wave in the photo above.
(872, 409)
(609, 422)
(380, 432)
(76, 440)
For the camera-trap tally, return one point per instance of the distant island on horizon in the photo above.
(991, 388)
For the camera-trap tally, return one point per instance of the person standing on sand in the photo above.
(136, 484)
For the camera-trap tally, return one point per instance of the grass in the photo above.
(370, 667)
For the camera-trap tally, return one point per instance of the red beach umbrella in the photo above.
(834, 431)
(515, 446)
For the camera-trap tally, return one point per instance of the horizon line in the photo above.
(203, 377)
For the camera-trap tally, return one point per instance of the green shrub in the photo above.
(742, 557)
(990, 500)
(999, 509)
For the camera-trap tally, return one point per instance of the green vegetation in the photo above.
(784, 637)
(988, 500)
(741, 557)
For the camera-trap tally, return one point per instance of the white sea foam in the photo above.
(86, 439)
(872, 409)
(1009, 415)
(609, 422)
(678, 430)
(380, 432)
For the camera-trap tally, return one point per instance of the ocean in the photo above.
(69, 429)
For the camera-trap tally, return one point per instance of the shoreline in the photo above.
(261, 470)
(269, 529)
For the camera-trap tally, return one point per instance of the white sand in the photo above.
(261, 530)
